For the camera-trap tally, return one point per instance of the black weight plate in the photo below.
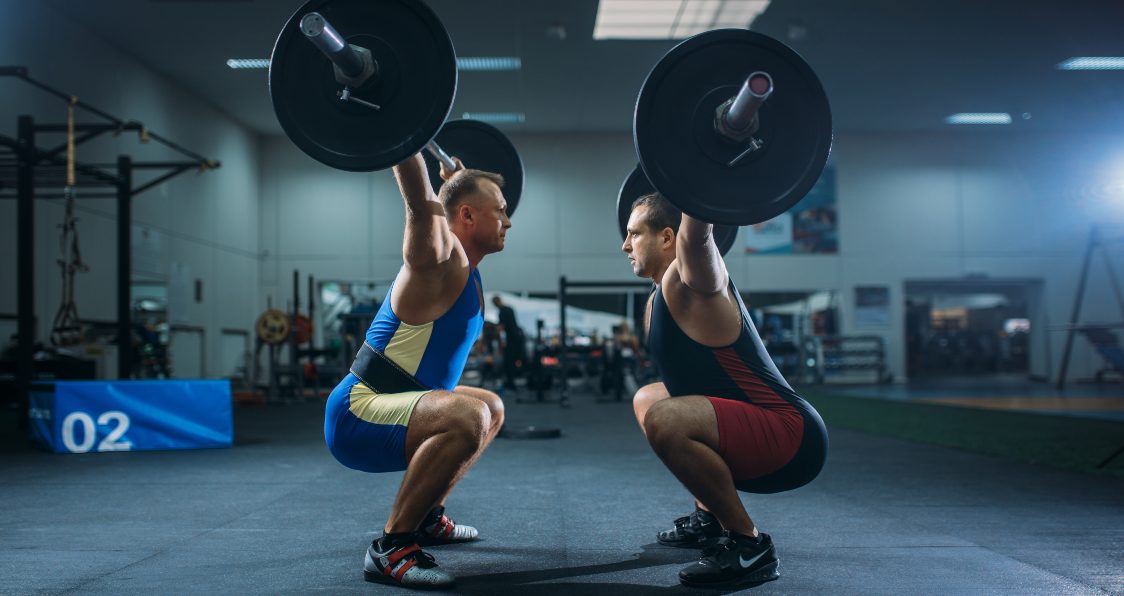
(637, 185)
(415, 85)
(479, 146)
(687, 160)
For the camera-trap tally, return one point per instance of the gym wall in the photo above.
(205, 223)
(911, 207)
(923, 206)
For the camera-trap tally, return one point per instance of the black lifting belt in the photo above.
(381, 374)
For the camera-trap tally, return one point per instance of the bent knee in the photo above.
(495, 407)
(497, 412)
(660, 423)
(468, 418)
(646, 397)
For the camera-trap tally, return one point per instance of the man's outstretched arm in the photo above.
(700, 264)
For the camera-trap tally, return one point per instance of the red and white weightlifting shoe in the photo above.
(405, 565)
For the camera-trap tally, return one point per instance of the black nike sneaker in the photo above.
(697, 530)
(405, 565)
(735, 560)
(438, 529)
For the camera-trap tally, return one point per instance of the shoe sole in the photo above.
(700, 544)
(377, 577)
(434, 542)
(767, 573)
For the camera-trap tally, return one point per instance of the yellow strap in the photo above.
(70, 141)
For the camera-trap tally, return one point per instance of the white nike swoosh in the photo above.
(745, 564)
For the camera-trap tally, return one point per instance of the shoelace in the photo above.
(428, 562)
(437, 528)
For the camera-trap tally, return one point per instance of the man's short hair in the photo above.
(661, 213)
(453, 192)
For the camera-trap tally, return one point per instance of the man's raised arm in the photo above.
(428, 241)
(700, 264)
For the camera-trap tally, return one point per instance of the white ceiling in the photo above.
(887, 65)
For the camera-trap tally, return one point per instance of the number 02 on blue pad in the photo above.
(88, 416)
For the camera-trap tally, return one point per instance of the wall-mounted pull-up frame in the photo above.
(29, 172)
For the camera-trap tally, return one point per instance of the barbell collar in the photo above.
(353, 64)
(740, 117)
(436, 150)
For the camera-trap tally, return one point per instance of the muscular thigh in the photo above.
(430, 417)
(690, 415)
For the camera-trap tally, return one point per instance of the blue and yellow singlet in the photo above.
(365, 429)
(434, 353)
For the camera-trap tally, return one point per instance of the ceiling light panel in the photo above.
(489, 63)
(1093, 63)
(240, 63)
(671, 19)
(979, 118)
(496, 117)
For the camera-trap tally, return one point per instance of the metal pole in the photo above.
(330, 43)
(124, 267)
(311, 314)
(25, 263)
(441, 156)
(740, 116)
(296, 374)
(564, 398)
(21, 73)
(1112, 277)
(1076, 308)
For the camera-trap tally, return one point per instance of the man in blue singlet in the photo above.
(723, 419)
(400, 407)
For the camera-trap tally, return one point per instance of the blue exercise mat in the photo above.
(89, 416)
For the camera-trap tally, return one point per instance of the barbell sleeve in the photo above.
(758, 86)
(329, 41)
(441, 156)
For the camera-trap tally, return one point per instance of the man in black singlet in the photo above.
(734, 424)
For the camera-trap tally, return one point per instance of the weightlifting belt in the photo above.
(381, 374)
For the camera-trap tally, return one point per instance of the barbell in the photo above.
(732, 126)
(377, 90)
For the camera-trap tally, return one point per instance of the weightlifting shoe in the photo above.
(404, 565)
(439, 529)
(697, 530)
(735, 560)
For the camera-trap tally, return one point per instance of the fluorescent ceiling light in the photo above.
(469, 63)
(1093, 63)
(238, 63)
(671, 19)
(979, 118)
(496, 117)
(486, 63)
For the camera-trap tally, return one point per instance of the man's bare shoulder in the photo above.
(708, 318)
(423, 294)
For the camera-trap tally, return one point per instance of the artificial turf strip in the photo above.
(1059, 441)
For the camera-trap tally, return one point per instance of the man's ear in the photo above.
(464, 210)
(668, 237)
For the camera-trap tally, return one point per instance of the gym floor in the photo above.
(576, 515)
(1011, 392)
